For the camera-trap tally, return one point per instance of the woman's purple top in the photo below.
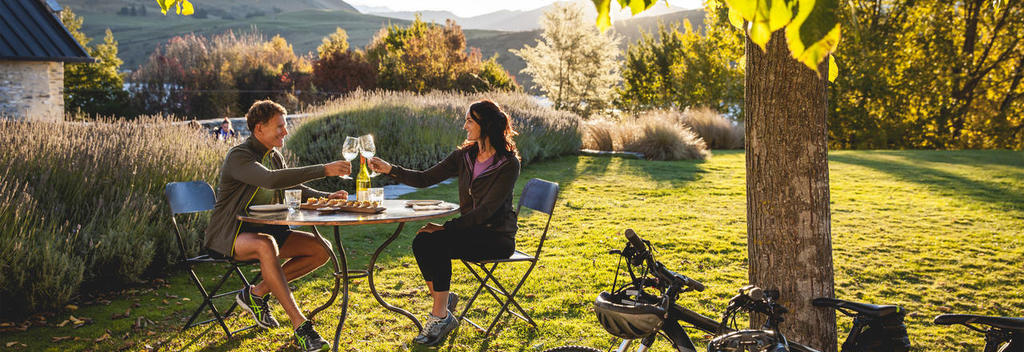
(480, 166)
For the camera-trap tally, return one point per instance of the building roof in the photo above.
(29, 31)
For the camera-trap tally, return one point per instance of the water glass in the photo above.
(377, 194)
(292, 198)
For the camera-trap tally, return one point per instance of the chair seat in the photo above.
(516, 257)
(998, 322)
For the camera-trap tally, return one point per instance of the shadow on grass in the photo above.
(908, 167)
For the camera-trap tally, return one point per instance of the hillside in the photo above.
(304, 28)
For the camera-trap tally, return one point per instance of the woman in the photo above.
(487, 166)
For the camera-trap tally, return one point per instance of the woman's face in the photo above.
(472, 128)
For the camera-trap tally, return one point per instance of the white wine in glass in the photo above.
(368, 150)
(349, 151)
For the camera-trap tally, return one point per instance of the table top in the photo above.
(395, 211)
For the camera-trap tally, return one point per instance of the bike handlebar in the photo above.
(660, 271)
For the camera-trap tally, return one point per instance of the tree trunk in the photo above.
(788, 222)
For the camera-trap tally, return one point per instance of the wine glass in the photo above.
(349, 151)
(368, 150)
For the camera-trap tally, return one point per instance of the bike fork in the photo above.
(644, 344)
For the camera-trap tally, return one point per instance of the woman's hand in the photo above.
(379, 165)
(431, 228)
(339, 195)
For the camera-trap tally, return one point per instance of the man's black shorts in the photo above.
(279, 232)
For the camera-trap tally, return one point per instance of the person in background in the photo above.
(487, 166)
(254, 173)
(224, 131)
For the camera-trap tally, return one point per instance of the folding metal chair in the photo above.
(194, 197)
(539, 195)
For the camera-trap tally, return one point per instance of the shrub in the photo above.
(83, 204)
(417, 131)
(662, 139)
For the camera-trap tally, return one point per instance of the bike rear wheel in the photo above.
(573, 349)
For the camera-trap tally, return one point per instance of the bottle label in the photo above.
(363, 196)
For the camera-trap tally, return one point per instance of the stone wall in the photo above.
(32, 90)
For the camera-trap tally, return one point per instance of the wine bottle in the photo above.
(363, 182)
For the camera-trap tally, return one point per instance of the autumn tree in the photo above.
(573, 63)
(338, 69)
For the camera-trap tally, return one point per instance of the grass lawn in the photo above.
(933, 231)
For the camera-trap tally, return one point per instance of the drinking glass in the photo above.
(292, 197)
(377, 195)
(349, 151)
(368, 150)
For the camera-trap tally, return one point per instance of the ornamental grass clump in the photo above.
(417, 131)
(662, 139)
(82, 204)
(600, 135)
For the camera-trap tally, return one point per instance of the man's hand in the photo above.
(379, 165)
(338, 195)
(338, 168)
(431, 228)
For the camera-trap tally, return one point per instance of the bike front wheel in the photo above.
(573, 349)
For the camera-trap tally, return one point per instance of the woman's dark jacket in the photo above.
(485, 201)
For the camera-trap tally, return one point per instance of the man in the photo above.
(254, 173)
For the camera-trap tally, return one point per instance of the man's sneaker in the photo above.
(257, 306)
(453, 302)
(308, 339)
(436, 330)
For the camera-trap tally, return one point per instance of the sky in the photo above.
(469, 8)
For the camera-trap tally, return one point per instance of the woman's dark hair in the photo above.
(496, 125)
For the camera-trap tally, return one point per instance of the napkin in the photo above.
(433, 207)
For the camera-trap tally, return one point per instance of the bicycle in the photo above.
(1003, 335)
(632, 313)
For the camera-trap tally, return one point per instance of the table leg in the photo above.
(373, 288)
(340, 279)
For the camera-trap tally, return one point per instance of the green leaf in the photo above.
(814, 32)
(736, 19)
(833, 69)
(604, 20)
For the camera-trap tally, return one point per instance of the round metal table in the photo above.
(396, 212)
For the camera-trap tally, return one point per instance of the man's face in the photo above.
(271, 133)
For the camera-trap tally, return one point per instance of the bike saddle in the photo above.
(870, 310)
(996, 322)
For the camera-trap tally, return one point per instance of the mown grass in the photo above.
(933, 231)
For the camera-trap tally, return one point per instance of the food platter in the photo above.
(326, 206)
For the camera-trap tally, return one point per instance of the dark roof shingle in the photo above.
(30, 32)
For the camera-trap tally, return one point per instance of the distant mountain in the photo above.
(517, 20)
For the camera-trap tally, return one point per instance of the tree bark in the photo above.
(788, 220)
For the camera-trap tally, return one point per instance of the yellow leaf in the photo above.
(735, 18)
(833, 69)
(164, 4)
(746, 8)
(760, 34)
(71, 307)
(780, 14)
(604, 20)
(187, 9)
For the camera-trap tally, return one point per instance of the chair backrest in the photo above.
(539, 195)
(190, 197)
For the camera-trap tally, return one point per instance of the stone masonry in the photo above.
(32, 90)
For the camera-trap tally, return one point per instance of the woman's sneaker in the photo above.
(308, 339)
(436, 330)
(257, 306)
(453, 302)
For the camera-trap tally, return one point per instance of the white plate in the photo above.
(269, 207)
(422, 202)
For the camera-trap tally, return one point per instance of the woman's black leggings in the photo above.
(434, 251)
